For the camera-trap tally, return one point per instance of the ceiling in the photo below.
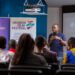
(58, 3)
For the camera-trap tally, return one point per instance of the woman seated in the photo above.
(43, 50)
(69, 55)
(12, 48)
(24, 54)
(4, 57)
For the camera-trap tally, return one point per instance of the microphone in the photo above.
(54, 33)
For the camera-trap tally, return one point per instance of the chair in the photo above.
(4, 65)
(33, 70)
(66, 69)
(4, 68)
(54, 68)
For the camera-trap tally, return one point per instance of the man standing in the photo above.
(57, 40)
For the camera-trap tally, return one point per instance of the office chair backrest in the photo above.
(68, 67)
(4, 65)
(30, 70)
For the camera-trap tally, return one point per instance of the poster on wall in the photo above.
(5, 29)
(18, 26)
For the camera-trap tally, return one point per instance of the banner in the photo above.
(5, 29)
(18, 26)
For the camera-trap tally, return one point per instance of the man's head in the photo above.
(40, 42)
(12, 44)
(55, 28)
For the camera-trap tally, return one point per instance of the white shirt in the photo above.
(4, 57)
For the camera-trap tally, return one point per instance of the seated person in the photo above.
(4, 57)
(12, 47)
(43, 50)
(24, 53)
(69, 55)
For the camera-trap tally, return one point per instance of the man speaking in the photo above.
(56, 41)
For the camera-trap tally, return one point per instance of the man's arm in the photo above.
(62, 40)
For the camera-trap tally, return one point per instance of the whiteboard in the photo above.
(69, 25)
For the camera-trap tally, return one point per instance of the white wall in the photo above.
(54, 16)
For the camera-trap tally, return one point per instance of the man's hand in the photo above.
(58, 38)
(55, 37)
(52, 38)
(61, 40)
